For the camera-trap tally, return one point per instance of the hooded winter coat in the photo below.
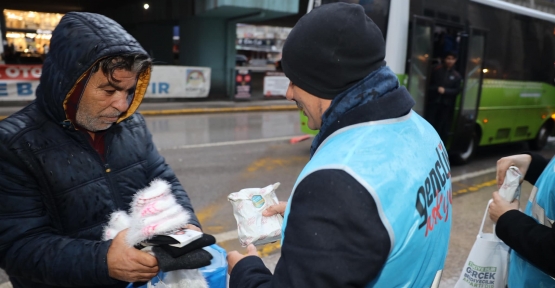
(56, 191)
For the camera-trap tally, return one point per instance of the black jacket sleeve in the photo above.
(533, 241)
(334, 238)
(30, 246)
(157, 168)
(536, 167)
(454, 88)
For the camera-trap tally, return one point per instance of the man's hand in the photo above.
(521, 161)
(441, 90)
(499, 206)
(275, 209)
(234, 257)
(129, 264)
(193, 227)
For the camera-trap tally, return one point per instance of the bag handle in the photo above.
(481, 232)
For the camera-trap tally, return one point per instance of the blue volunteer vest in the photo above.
(541, 207)
(403, 164)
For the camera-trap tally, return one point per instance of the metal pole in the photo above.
(397, 35)
(310, 6)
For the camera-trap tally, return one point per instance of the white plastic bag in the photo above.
(183, 278)
(248, 205)
(212, 276)
(487, 263)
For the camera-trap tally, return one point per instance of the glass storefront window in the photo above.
(259, 46)
(29, 32)
(29, 42)
(31, 20)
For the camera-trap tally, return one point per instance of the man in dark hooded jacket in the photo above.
(76, 154)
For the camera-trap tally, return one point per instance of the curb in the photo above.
(218, 110)
(187, 111)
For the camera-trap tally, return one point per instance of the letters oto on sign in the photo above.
(20, 72)
(19, 82)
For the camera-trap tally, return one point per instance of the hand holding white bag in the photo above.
(252, 227)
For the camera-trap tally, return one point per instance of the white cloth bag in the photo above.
(487, 263)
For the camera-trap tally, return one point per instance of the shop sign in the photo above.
(179, 82)
(275, 84)
(19, 82)
(242, 84)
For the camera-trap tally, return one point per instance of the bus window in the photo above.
(420, 57)
(473, 72)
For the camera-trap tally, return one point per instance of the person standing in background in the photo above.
(444, 87)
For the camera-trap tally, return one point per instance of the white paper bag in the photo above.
(487, 263)
(248, 205)
(510, 190)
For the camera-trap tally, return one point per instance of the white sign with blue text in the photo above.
(179, 82)
(19, 82)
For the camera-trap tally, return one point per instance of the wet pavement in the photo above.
(172, 132)
(217, 154)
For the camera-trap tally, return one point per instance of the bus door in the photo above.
(465, 139)
(421, 49)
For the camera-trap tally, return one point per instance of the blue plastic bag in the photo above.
(215, 273)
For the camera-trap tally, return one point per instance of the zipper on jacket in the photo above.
(107, 171)
(106, 167)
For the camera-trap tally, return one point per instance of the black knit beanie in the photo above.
(332, 48)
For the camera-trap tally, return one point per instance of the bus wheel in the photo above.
(463, 157)
(541, 139)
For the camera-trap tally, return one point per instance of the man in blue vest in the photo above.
(373, 205)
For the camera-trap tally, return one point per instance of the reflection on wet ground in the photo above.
(172, 131)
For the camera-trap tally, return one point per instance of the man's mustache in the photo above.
(112, 114)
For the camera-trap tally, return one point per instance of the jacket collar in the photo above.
(392, 105)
